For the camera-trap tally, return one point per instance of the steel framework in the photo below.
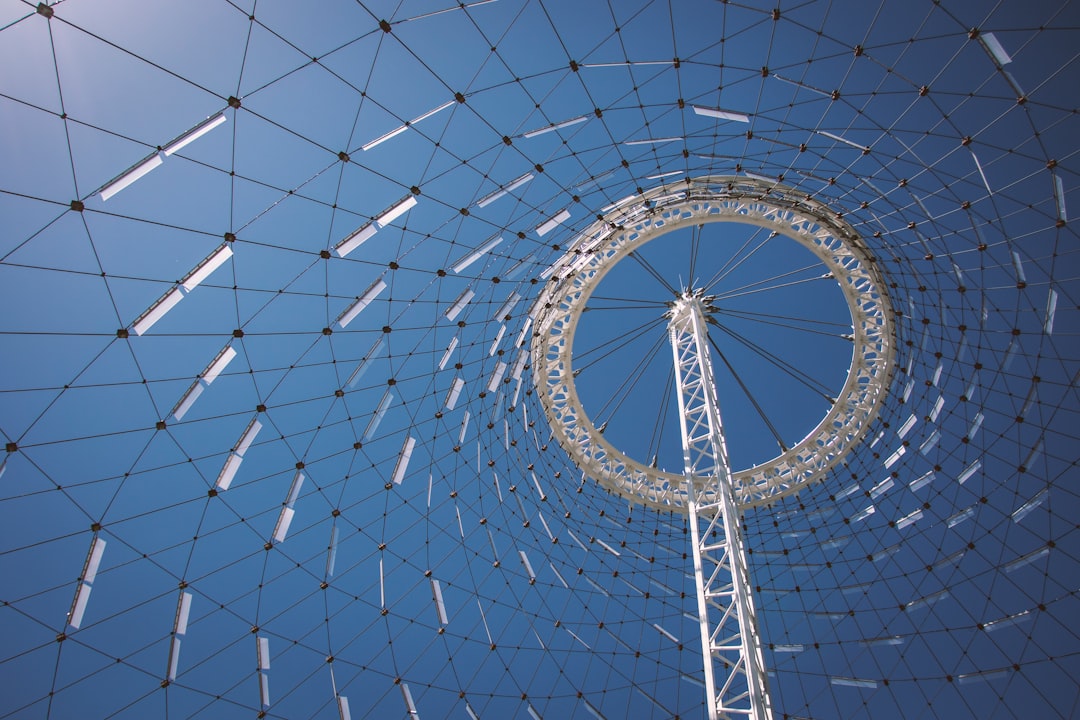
(707, 200)
(708, 490)
(735, 680)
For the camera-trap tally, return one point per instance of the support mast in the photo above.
(735, 680)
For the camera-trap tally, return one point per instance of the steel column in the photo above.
(735, 680)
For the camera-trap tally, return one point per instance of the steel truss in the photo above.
(708, 490)
(735, 680)
(742, 200)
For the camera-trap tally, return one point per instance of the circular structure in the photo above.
(641, 219)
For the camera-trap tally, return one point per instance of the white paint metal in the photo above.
(705, 200)
(734, 665)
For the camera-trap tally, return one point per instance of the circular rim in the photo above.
(639, 219)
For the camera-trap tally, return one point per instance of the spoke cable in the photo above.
(749, 396)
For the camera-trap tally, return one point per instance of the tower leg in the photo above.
(735, 680)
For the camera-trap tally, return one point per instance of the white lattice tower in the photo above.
(735, 679)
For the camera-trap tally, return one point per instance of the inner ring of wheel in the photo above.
(641, 218)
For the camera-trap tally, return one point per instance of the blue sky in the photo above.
(957, 593)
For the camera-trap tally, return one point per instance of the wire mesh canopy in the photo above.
(274, 441)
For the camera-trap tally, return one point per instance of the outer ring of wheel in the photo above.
(639, 219)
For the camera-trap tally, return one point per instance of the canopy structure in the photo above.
(275, 441)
